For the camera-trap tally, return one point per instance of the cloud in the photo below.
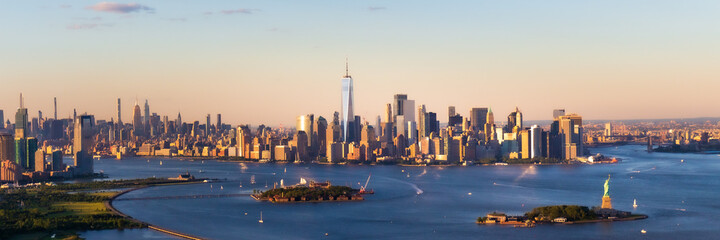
(376, 8)
(82, 26)
(119, 7)
(239, 11)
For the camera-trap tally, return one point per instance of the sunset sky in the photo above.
(270, 61)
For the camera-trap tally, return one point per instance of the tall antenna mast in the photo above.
(347, 73)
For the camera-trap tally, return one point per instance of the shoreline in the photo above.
(109, 205)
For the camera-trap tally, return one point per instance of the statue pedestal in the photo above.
(606, 203)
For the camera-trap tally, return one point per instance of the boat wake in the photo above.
(528, 171)
(418, 191)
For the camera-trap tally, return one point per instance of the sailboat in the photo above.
(285, 170)
(252, 179)
(281, 183)
(635, 203)
(260, 221)
(303, 181)
(266, 183)
(160, 163)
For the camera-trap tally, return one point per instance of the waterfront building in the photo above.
(346, 107)
(301, 143)
(84, 131)
(536, 143)
(570, 131)
(525, 147)
(10, 171)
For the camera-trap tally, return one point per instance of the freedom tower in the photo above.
(347, 116)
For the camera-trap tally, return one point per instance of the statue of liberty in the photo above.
(607, 187)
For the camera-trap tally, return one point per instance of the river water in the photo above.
(682, 199)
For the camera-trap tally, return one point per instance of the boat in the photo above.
(160, 163)
(285, 171)
(261, 221)
(282, 184)
(252, 179)
(303, 181)
(635, 203)
(221, 187)
(643, 231)
(266, 183)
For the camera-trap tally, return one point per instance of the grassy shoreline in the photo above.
(65, 209)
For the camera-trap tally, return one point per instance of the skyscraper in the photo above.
(514, 120)
(2, 120)
(218, 127)
(82, 144)
(207, 125)
(404, 112)
(7, 147)
(119, 117)
(348, 102)
(55, 102)
(398, 106)
(478, 118)
(451, 111)
(421, 121)
(557, 113)
(388, 113)
(21, 121)
(146, 120)
(306, 123)
(137, 121)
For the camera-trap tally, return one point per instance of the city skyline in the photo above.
(633, 62)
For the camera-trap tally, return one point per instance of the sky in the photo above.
(270, 61)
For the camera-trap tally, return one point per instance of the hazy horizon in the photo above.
(254, 62)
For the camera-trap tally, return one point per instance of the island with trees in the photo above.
(309, 192)
(560, 214)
